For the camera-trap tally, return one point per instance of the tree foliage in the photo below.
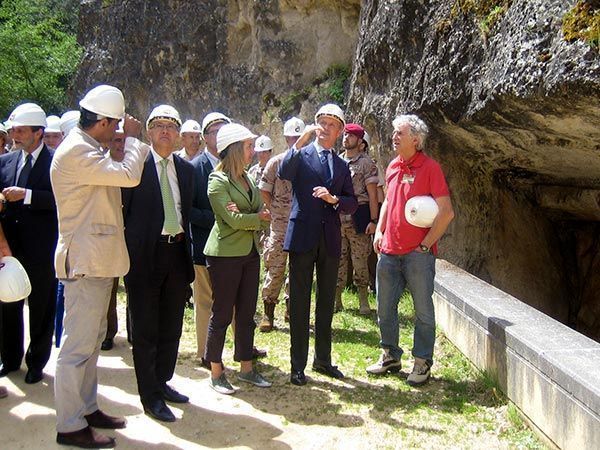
(38, 53)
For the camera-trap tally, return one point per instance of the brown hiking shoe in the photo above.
(266, 324)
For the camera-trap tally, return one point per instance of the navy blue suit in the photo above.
(202, 218)
(158, 282)
(31, 231)
(313, 239)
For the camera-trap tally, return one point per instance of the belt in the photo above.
(171, 239)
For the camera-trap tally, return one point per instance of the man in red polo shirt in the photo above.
(407, 252)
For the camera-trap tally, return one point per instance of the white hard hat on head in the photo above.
(367, 138)
(231, 133)
(14, 282)
(263, 144)
(331, 110)
(27, 114)
(166, 112)
(213, 117)
(293, 127)
(69, 120)
(106, 101)
(53, 125)
(190, 126)
(421, 211)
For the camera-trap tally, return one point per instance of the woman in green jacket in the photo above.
(232, 257)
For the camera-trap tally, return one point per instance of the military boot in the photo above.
(266, 324)
(338, 300)
(363, 299)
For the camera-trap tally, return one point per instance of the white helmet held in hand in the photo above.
(331, 110)
(263, 144)
(421, 211)
(231, 133)
(69, 120)
(293, 127)
(211, 118)
(190, 126)
(28, 114)
(14, 282)
(166, 112)
(106, 101)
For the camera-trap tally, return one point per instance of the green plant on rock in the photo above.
(332, 84)
(583, 22)
(487, 12)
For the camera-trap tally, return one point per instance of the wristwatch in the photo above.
(424, 248)
(374, 221)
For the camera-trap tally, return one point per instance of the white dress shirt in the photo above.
(173, 182)
(34, 157)
(212, 158)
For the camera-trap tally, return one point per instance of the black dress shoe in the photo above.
(298, 378)
(33, 376)
(171, 395)
(258, 353)
(86, 438)
(329, 370)
(107, 344)
(98, 419)
(158, 410)
(5, 370)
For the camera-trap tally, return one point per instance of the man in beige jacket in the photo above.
(90, 253)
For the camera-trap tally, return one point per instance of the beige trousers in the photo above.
(202, 306)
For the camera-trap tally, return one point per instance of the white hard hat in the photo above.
(53, 124)
(367, 138)
(14, 282)
(3, 128)
(106, 101)
(421, 211)
(263, 144)
(331, 110)
(293, 127)
(69, 120)
(7, 125)
(190, 126)
(27, 114)
(213, 117)
(231, 133)
(166, 112)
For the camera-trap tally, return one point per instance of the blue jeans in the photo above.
(416, 272)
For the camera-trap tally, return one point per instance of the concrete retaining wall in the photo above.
(549, 371)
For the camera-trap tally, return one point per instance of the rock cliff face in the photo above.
(512, 106)
(515, 122)
(223, 55)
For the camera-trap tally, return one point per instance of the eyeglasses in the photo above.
(164, 126)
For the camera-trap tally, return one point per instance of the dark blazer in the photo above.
(143, 216)
(201, 217)
(31, 230)
(310, 215)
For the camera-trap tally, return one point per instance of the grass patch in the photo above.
(460, 408)
(487, 13)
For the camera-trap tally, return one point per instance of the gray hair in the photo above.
(418, 128)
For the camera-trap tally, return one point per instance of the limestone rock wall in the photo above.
(224, 55)
(515, 122)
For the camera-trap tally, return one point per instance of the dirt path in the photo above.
(27, 417)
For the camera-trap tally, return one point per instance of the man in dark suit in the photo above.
(157, 214)
(322, 188)
(29, 220)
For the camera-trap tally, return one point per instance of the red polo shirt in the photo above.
(420, 175)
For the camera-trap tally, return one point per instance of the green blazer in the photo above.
(233, 233)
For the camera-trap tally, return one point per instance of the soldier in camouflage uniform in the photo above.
(277, 194)
(358, 227)
(263, 147)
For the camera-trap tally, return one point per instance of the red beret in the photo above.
(355, 129)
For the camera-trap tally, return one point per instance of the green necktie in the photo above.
(171, 225)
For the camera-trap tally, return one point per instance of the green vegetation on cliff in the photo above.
(583, 22)
(39, 53)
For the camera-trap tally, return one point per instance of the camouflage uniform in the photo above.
(363, 171)
(275, 259)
